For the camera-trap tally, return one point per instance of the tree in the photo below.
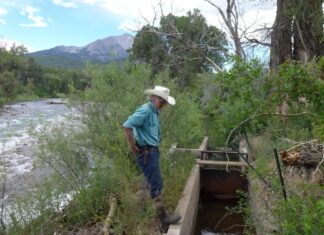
(307, 30)
(231, 20)
(150, 48)
(8, 85)
(18, 50)
(185, 45)
(297, 32)
(80, 80)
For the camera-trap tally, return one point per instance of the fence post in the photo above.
(280, 175)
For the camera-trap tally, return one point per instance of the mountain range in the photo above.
(105, 50)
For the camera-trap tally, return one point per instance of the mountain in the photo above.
(105, 50)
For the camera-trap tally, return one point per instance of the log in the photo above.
(307, 154)
(108, 220)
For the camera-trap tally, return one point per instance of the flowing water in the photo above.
(215, 218)
(17, 143)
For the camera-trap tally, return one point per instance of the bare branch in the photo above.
(265, 114)
(231, 20)
(256, 41)
(177, 36)
(161, 8)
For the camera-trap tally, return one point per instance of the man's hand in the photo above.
(130, 140)
(134, 149)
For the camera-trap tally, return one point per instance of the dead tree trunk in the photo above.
(297, 32)
(231, 20)
(308, 30)
(281, 42)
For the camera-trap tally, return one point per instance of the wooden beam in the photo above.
(220, 163)
(197, 152)
(223, 152)
(173, 148)
(203, 146)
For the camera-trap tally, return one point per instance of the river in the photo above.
(17, 143)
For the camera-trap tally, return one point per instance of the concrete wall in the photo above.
(188, 205)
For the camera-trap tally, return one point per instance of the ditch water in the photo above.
(217, 210)
(217, 217)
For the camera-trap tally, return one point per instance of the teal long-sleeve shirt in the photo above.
(145, 123)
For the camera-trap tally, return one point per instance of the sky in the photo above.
(43, 24)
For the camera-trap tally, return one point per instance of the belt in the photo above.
(148, 148)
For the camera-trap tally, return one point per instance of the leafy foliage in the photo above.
(299, 85)
(247, 90)
(232, 97)
(21, 76)
(310, 215)
(181, 45)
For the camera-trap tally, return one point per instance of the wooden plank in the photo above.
(223, 152)
(196, 152)
(173, 148)
(220, 163)
(203, 146)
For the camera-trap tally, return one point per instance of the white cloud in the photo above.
(89, 1)
(2, 13)
(64, 3)
(133, 13)
(37, 21)
(7, 43)
(147, 8)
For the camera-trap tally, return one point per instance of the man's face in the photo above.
(158, 102)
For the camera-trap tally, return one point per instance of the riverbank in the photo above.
(19, 125)
(27, 98)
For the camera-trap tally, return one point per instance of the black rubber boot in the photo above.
(164, 218)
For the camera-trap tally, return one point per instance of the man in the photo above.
(142, 130)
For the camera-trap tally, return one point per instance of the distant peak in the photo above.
(101, 50)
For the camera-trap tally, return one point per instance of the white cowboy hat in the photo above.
(162, 92)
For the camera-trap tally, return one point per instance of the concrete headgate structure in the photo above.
(218, 178)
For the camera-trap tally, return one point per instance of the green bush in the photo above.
(248, 90)
(232, 97)
(301, 215)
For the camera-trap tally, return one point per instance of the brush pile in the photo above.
(304, 163)
(305, 154)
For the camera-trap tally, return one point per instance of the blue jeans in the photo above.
(151, 169)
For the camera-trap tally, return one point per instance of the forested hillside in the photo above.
(22, 79)
(277, 104)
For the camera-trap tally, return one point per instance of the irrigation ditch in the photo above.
(218, 186)
(212, 192)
